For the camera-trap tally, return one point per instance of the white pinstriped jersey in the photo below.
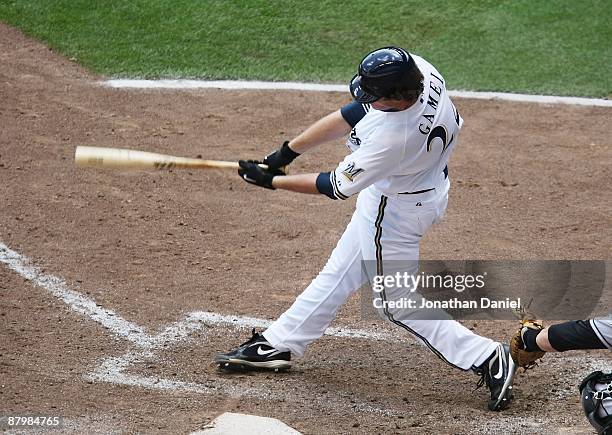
(401, 151)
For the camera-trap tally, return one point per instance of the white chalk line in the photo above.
(253, 322)
(318, 87)
(77, 301)
(135, 333)
(114, 369)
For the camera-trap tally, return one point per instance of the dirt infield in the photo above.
(528, 183)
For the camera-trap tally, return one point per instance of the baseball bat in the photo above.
(117, 158)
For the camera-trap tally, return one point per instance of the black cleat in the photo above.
(498, 374)
(255, 354)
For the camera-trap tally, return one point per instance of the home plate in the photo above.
(230, 423)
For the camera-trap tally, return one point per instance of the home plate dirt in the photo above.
(160, 271)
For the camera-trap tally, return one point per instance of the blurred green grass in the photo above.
(558, 47)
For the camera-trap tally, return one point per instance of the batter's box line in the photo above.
(114, 369)
(78, 302)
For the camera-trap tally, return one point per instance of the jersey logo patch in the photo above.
(351, 171)
(354, 139)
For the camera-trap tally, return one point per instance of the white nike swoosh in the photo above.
(500, 373)
(264, 352)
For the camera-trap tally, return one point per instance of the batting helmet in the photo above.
(596, 398)
(388, 72)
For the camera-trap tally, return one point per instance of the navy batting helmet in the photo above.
(388, 72)
(596, 398)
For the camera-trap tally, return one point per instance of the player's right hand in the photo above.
(281, 157)
(251, 172)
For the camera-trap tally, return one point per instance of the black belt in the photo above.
(445, 171)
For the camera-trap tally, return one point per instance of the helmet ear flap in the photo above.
(359, 92)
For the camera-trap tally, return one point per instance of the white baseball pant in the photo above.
(384, 228)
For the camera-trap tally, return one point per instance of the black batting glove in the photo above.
(281, 157)
(251, 172)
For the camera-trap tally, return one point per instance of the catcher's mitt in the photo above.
(521, 357)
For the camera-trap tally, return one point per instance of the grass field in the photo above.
(559, 47)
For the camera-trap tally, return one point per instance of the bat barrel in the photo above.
(117, 158)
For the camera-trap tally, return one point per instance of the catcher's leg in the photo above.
(313, 311)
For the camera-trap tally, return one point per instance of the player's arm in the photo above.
(572, 335)
(356, 172)
(331, 127)
(326, 129)
(302, 183)
(529, 342)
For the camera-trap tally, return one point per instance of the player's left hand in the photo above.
(522, 357)
(251, 172)
(280, 158)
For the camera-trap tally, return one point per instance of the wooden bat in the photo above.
(118, 158)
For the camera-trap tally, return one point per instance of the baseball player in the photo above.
(401, 129)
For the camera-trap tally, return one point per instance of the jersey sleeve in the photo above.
(353, 112)
(324, 185)
(369, 164)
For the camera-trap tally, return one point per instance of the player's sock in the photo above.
(529, 339)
